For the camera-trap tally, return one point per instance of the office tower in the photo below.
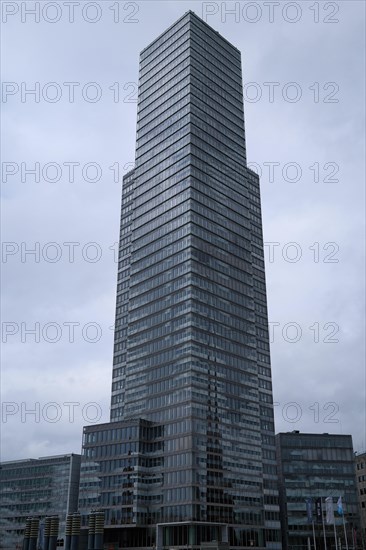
(191, 348)
(313, 468)
(42, 487)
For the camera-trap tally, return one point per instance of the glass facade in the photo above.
(313, 466)
(38, 488)
(191, 351)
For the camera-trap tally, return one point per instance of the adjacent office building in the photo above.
(189, 455)
(360, 461)
(313, 467)
(39, 488)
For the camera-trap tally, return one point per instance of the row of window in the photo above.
(222, 258)
(166, 128)
(213, 127)
(175, 81)
(212, 161)
(265, 398)
(264, 371)
(159, 345)
(212, 64)
(229, 366)
(219, 237)
(180, 97)
(211, 327)
(163, 315)
(230, 290)
(178, 160)
(168, 56)
(217, 83)
(207, 165)
(230, 126)
(125, 230)
(217, 88)
(219, 132)
(215, 40)
(176, 277)
(255, 218)
(157, 123)
(224, 155)
(229, 53)
(163, 101)
(165, 39)
(318, 468)
(220, 273)
(140, 318)
(166, 241)
(162, 208)
(173, 176)
(163, 139)
(163, 220)
(122, 309)
(148, 304)
(227, 306)
(162, 53)
(225, 319)
(219, 183)
(123, 285)
(343, 443)
(163, 152)
(218, 140)
(216, 223)
(202, 107)
(158, 194)
(166, 330)
(223, 213)
(153, 272)
(110, 450)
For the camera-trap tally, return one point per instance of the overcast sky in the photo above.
(303, 70)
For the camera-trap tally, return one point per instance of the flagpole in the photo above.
(335, 535)
(314, 536)
(354, 541)
(345, 531)
(325, 538)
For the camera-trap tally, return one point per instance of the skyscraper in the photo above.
(191, 353)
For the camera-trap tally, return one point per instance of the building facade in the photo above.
(122, 474)
(313, 467)
(360, 464)
(191, 351)
(36, 488)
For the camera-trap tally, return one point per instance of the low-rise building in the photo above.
(316, 479)
(39, 488)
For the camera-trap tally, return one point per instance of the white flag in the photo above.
(329, 510)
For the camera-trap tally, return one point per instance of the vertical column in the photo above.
(68, 530)
(27, 534)
(33, 534)
(75, 532)
(99, 531)
(47, 532)
(91, 532)
(53, 534)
